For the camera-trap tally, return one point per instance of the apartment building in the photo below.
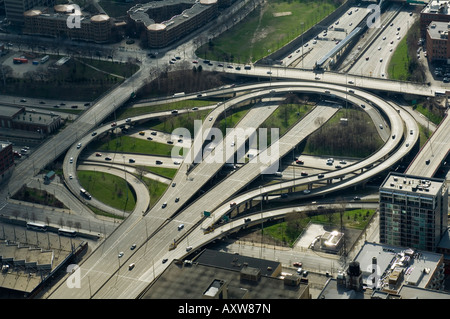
(15, 8)
(53, 22)
(163, 22)
(435, 10)
(413, 211)
(438, 44)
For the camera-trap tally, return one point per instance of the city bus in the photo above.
(36, 226)
(44, 59)
(67, 232)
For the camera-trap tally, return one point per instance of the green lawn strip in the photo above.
(434, 118)
(424, 135)
(180, 105)
(186, 121)
(263, 32)
(155, 188)
(232, 119)
(398, 68)
(109, 189)
(284, 117)
(162, 171)
(128, 144)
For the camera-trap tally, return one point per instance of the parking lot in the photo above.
(20, 70)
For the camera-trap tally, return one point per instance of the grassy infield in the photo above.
(260, 29)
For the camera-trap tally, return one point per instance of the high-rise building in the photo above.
(413, 211)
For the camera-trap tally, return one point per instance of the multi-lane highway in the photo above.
(154, 250)
(106, 275)
(433, 153)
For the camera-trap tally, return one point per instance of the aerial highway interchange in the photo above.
(151, 236)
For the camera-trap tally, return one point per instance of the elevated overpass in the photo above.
(433, 153)
(99, 271)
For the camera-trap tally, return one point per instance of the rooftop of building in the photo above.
(7, 111)
(242, 277)
(397, 266)
(36, 117)
(438, 30)
(402, 183)
(437, 7)
(401, 274)
(62, 11)
(139, 12)
(4, 144)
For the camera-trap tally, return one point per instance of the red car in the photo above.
(113, 124)
(299, 162)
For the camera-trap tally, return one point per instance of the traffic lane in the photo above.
(134, 159)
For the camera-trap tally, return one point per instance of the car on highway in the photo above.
(164, 205)
(71, 160)
(180, 227)
(131, 160)
(131, 266)
(113, 124)
(107, 158)
(98, 154)
(164, 260)
(94, 133)
(133, 247)
(177, 199)
(297, 264)
(79, 145)
(356, 198)
(303, 173)
(23, 100)
(120, 254)
(306, 191)
(70, 176)
(158, 162)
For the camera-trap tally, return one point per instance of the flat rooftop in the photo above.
(439, 30)
(139, 12)
(418, 267)
(10, 111)
(402, 183)
(437, 6)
